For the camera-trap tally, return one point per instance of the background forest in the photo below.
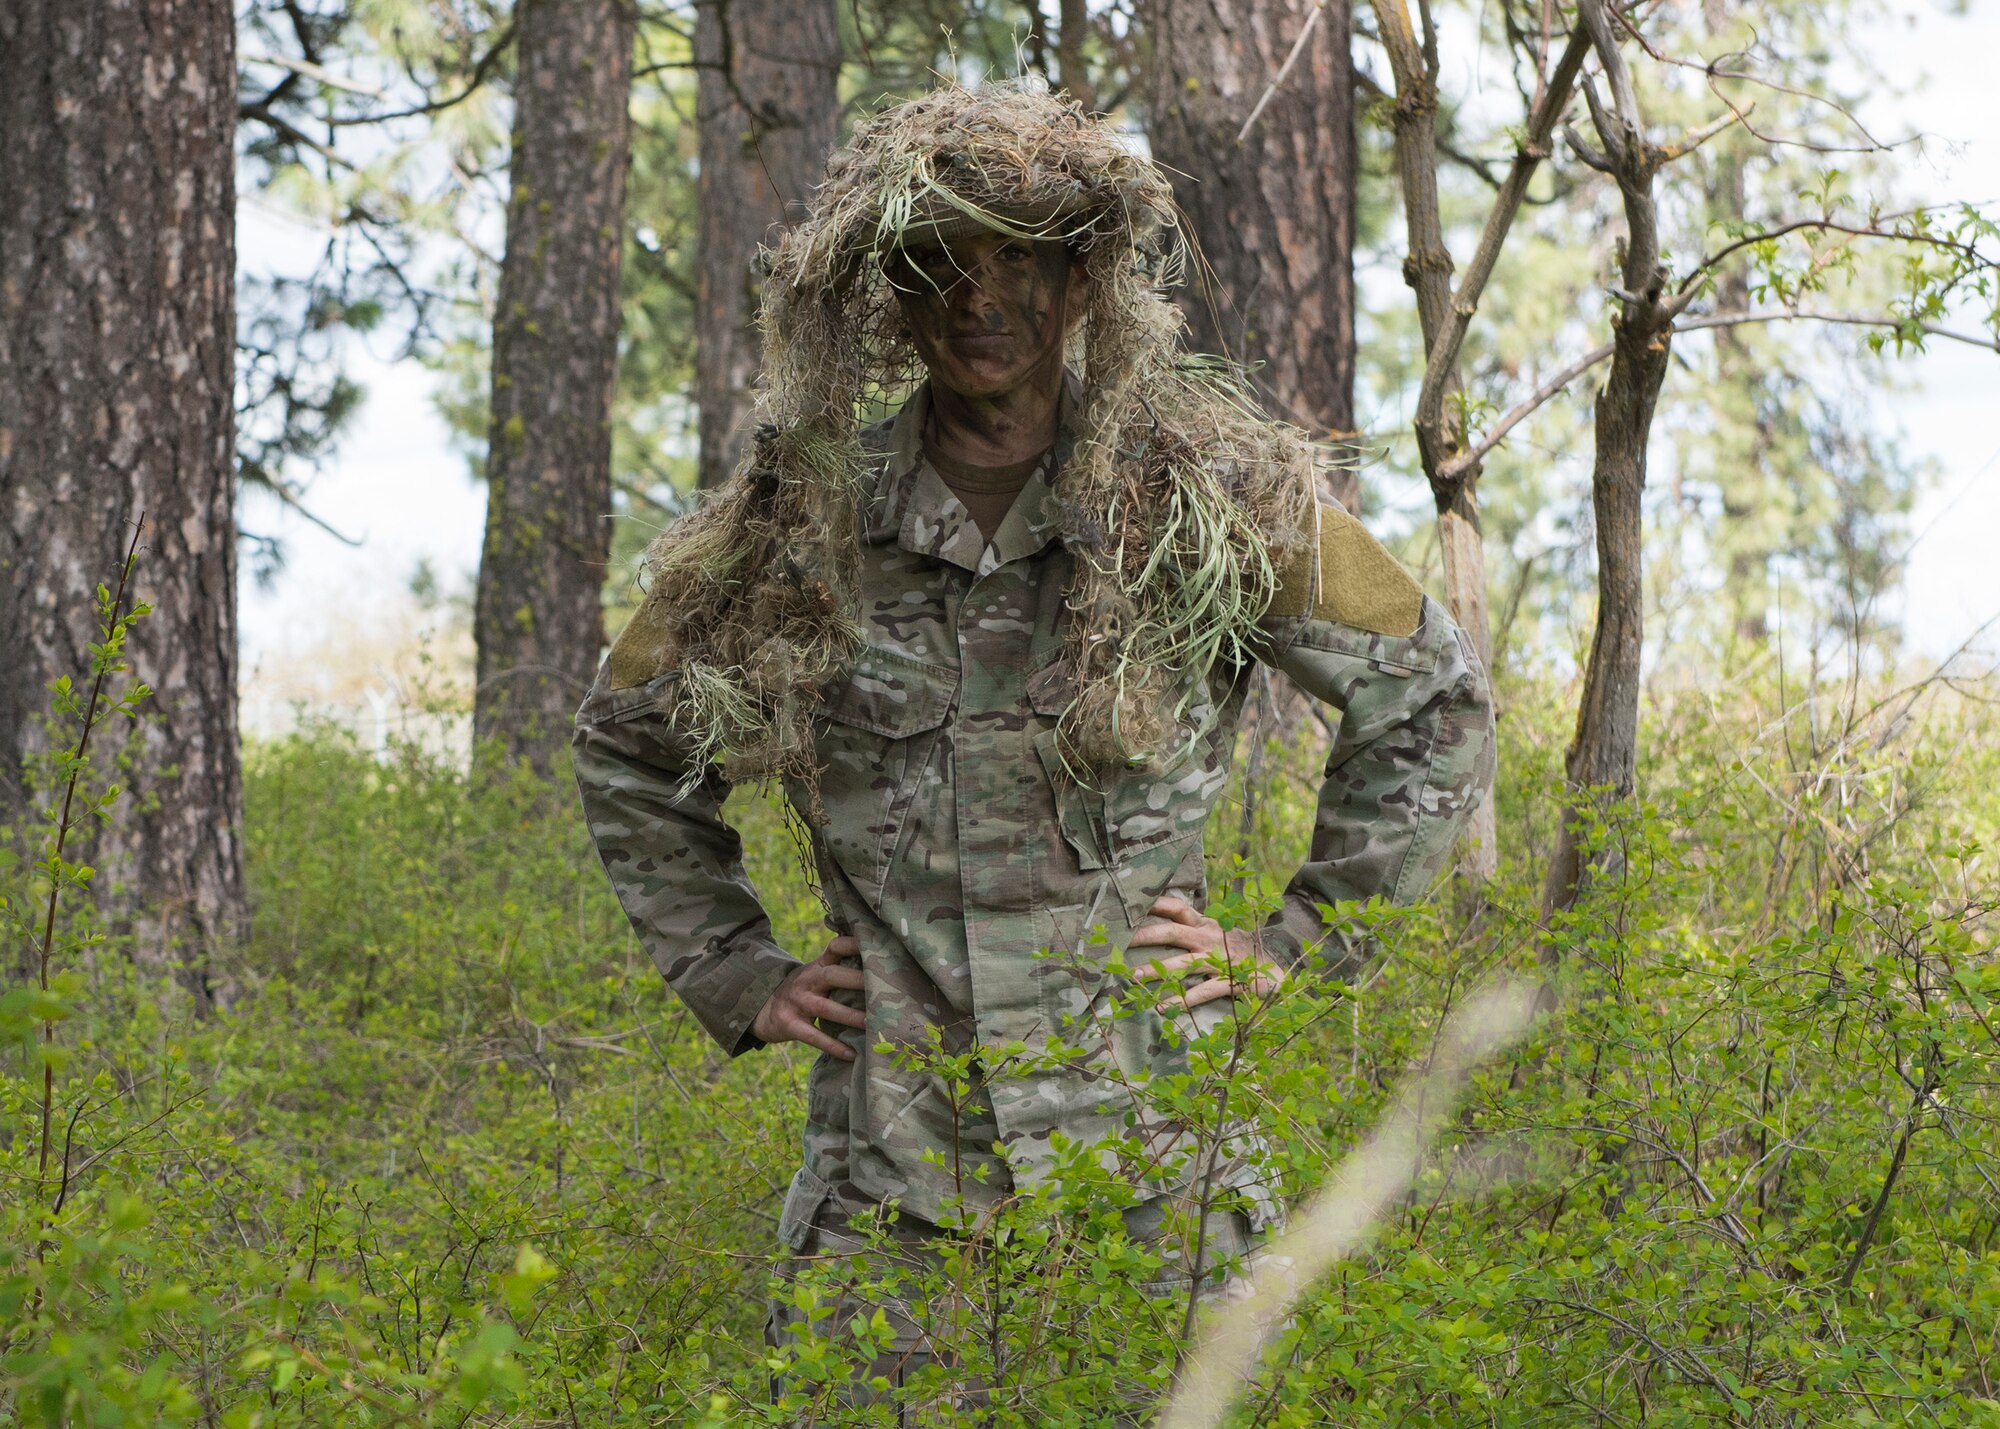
(333, 1087)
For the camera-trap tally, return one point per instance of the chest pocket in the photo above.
(1109, 817)
(881, 723)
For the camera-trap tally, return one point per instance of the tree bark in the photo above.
(1602, 763)
(1072, 64)
(539, 622)
(1274, 215)
(767, 108)
(117, 370)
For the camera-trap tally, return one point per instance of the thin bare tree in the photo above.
(1603, 757)
(1445, 312)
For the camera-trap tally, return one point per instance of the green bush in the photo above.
(456, 1157)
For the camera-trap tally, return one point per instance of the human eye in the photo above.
(911, 270)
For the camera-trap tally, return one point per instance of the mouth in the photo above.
(980, 344)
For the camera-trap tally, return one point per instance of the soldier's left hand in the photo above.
(1203, 941)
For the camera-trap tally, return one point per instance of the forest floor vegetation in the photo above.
(455, 1156)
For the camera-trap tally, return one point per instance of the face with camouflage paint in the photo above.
(988, 313)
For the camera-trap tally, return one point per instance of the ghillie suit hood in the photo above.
(1178, 501)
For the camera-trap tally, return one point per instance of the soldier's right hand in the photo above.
(800, 1004)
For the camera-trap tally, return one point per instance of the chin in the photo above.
(980, 379)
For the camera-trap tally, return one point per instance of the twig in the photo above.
(1285, 69)
(1528, 405)
(1867, 1235)
(1361, 1191)
(63, 826)
(1493, 236)
(482, 69)
(319, 72)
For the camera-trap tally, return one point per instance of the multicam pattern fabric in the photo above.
(961, 853)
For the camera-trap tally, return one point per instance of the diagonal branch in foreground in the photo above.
(1362, 1191)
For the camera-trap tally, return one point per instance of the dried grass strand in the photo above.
(1179, 499)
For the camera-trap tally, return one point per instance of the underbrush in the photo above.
(456, 1157)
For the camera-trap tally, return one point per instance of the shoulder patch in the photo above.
(635, 654)
(1344, 574)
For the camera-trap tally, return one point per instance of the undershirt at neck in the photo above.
(988, 492)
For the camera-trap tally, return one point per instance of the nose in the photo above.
(971, 294)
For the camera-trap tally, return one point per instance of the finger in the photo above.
(845, 946)
(1174, 935)
(818, 977)
(1215, 989)
(803, 1031)
(827, 1010)
(1166, 967)
(1167, 905)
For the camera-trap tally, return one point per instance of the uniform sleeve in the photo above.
(1414, 752)
(676, 866)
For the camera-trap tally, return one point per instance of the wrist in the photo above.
(763, 1025)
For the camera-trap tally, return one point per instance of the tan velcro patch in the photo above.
(1346, 575)
(635, 654)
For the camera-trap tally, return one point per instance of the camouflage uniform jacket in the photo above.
(957, 850)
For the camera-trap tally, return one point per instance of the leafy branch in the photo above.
(107, 658)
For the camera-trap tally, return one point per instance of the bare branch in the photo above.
(291, 133)
(309, 68)
(1606, 127)
(1991, 344)
(1584, 151)
(482, 70)
(1872, 145)
(1298, 48)
(290, 497)
(316, 72)
(1465, 301)
(1428, 267)
(1696, 138)
(1528, 405)
(1609, 58)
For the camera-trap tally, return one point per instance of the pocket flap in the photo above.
(803, 1199)
(892, 695)
(1052, 689)
(1072, 806)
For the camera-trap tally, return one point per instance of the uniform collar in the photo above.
(913, 507)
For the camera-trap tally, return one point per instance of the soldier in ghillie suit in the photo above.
(996, 648)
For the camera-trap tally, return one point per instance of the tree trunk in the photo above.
(1743, 463)
(1444, 314)
(1602, 763)
(539, 623)
(767, 108)
(1072, 66)
(1274, 215)
(117, 370)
